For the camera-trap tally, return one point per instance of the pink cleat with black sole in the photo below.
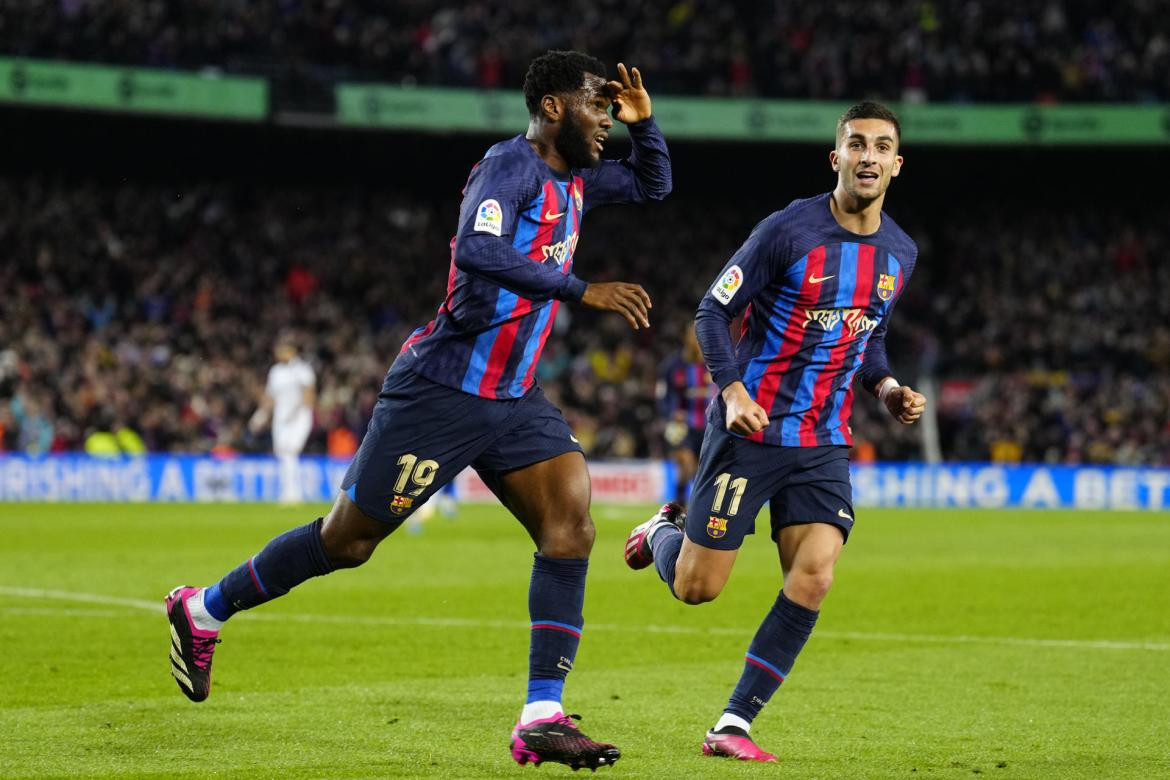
(558, 739)
(730, 742)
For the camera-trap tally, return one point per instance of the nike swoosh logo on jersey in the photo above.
(550, 217)
(813, 279)
(842, 513)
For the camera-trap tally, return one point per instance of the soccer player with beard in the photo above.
(816, 282)
(462, 392)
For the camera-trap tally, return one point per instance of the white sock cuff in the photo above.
(539, 710)
(728, 719)
(199, 614)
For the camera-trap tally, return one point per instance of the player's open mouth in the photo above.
(599, 142)
(867, 176)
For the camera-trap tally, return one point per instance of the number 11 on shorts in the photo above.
(737, 485)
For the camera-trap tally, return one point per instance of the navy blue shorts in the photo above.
(422, 434)
(736, 477)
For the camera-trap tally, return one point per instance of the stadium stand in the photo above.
(945, 50)
(154, 306)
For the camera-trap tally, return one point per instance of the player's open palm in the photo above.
(631, 101)
(628, 300)
(905, 405)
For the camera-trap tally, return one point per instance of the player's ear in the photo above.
(833, 161)
(897, 165)
(552, 107)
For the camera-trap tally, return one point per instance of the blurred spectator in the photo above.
(941, 50)
(1043, 325)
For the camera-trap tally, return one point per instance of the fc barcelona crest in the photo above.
(400, 504)
(886, 285)
(716, 527)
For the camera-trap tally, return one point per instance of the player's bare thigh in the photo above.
(808, 553)
(701, 573)
(551, 500)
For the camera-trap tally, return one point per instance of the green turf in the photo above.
(924, 663)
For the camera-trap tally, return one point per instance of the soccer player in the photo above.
(816, 282)
(684, 391)
(289, 396)
(462, 391)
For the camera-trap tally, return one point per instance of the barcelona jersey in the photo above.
(816, 299)
(512, 260)
(686, 388)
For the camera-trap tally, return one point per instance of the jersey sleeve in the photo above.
(497, 192)
(875, 363)
(644, 175)
(307, 377)
(749, 271)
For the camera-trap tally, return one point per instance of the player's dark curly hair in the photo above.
(867, 109)
(558, 71)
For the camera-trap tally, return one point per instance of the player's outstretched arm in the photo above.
(628, 300)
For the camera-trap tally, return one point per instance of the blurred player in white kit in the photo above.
(289, 396)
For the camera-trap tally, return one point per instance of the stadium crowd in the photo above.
(149, 312)
(936, 50)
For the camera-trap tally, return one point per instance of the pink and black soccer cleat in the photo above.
(731, 742)
(558, 739)
(638, 552)
(191, 647)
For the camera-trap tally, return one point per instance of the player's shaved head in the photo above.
(867, 109)
(559, 72)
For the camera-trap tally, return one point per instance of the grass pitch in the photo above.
(954, 644)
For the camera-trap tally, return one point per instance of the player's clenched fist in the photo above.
(744, 415)
(628, 300)
(905, 405)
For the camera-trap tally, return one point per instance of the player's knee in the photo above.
(351, 552)
(809, 587)
(695, 590)
(572, 537)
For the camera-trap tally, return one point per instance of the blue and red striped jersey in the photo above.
(686, 388)
(512, 260)
(816, 300)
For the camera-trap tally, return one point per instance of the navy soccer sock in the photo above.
(666, 545)
(770, 656)
(556, 596)
(285, 562)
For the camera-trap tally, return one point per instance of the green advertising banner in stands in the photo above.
(69, 85)
(735, 119)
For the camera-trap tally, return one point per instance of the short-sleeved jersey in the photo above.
(816, 299)
(686, 388)
(512, 260)
(286, 385)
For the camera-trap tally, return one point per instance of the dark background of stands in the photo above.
(1021, 402)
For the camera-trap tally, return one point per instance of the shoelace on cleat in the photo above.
(202, 649)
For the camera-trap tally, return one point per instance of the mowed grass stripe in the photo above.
(440, 622)
(341, 679)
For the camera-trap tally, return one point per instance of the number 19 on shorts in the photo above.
(415, 474)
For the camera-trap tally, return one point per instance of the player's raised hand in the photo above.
(744, 415)
(631, 101)
(905, 405)
(628, 300)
